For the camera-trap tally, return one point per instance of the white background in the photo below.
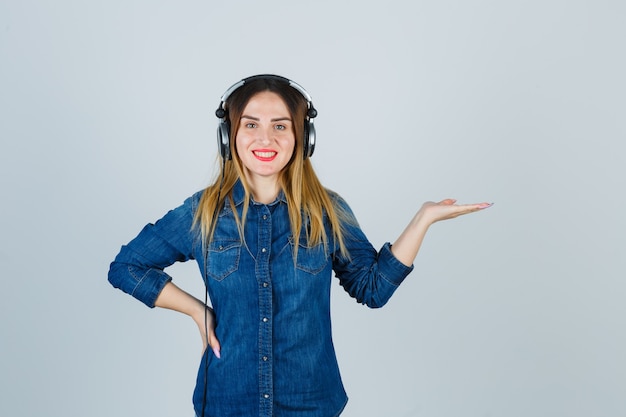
(106, 122)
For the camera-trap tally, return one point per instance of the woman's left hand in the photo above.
(406, 247)
(446, 209)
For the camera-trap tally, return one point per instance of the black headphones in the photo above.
(223, 130)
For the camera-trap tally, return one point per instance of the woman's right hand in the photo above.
(173, 298)
(206, 325)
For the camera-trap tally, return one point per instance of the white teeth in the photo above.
(265, 154)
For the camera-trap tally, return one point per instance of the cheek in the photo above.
(240, 141)
(290, 143)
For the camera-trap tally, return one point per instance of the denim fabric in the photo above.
(272, 314)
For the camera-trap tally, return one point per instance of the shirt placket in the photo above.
(266, 383)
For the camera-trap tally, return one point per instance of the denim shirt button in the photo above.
(265, 285)
(266, 396)
(263, 250)
(265, 319)
(265, 217)
(265, 358)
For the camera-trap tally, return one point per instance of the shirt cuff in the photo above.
(150, 286)
(395, 271)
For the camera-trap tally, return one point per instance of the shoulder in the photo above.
(192, 202)
(338, 201)
(342, 209)
(334, 196)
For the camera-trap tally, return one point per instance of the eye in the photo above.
(250, 125)
(280, 127)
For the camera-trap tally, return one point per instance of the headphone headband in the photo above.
(221, 110)
(223, 130)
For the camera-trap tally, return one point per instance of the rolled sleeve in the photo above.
(138, 269)
(391, 268)
(143, 283)
(369, 276)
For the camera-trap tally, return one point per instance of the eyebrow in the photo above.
(256, 119)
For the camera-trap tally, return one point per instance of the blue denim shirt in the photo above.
(272, 315)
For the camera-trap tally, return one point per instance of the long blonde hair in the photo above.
(307, 200)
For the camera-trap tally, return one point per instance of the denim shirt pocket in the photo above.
(311, 259)
(223, 258)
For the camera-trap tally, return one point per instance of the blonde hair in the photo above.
(307, 200)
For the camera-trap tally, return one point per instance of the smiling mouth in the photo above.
(265, 155)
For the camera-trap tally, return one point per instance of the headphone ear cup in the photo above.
(309, 139)
(223, 139)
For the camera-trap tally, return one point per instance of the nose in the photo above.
(265, 135)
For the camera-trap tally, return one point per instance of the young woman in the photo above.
(267, 237)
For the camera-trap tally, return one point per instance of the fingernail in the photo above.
(216, 353)
(486, 205)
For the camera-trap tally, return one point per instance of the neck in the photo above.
(264, 190)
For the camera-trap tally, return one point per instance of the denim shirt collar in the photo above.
(238, 195)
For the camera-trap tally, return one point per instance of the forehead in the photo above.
(266, 102)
